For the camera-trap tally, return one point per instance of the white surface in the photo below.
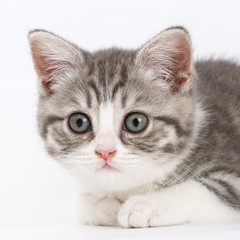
(34, 191)
(186, 232)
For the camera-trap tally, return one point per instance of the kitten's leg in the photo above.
(188, 202)
(97, 210)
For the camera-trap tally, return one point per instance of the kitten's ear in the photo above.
(53, 57)
(167, 58)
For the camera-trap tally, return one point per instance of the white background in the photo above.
(34, 190)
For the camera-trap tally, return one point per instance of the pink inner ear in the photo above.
(169, 56)
(43, 65)
(181, 61)
(52, 57)
(181, 70)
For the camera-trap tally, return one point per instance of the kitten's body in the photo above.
(185, 167)
(216, 147)
(209, 162)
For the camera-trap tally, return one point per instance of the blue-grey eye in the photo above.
(79, 123)
(135, 122)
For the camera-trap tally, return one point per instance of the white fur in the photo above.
(106, 137)
(99, 210)
(187, 202)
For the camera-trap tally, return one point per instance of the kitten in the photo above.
(152, 138)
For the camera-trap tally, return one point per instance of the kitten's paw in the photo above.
(108, 211)
(136, 212)
(145, 211)
(102, 211)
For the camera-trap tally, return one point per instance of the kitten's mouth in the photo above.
(107, 167)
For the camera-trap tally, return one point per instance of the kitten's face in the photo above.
(113, 117)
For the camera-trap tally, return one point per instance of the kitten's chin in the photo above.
(110, 180)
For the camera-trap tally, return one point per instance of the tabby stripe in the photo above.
(231, 200)
(115, 90)
(102, 76)
(173, 122)
(222, 169)
(91, 68)
(124, 100)
(95, 89)
(146, 147)
(89, 100)
(47, 122)
(229, 189)
(116, 87)
(121, 83)
(124, 73)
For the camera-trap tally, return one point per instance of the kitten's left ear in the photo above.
(53, 58)
(167, 58)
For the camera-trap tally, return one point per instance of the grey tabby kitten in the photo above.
(151, 138)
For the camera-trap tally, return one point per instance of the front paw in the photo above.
(100, 211)
(137, 212)
(150, 211)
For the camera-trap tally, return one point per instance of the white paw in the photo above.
(103, 211)
(141, 211)
(107, 211)
(136, 212)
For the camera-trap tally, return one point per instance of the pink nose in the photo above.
(105, 154)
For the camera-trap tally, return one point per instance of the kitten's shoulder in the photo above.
(218, 68)
(219, 79)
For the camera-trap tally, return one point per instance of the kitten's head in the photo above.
(117, 118)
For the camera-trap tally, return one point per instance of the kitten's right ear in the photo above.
(52, 57)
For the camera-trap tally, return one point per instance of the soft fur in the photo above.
(185, 167)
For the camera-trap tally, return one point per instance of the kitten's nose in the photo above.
(105, 154)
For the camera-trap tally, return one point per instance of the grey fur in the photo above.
(217, 148)
(112, 74)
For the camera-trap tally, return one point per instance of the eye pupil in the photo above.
(136, 122)
(79, 122)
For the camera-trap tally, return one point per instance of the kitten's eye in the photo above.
(79, 123)
(135, 122)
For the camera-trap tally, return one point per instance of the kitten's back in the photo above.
(219, 88)
(220, 83)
